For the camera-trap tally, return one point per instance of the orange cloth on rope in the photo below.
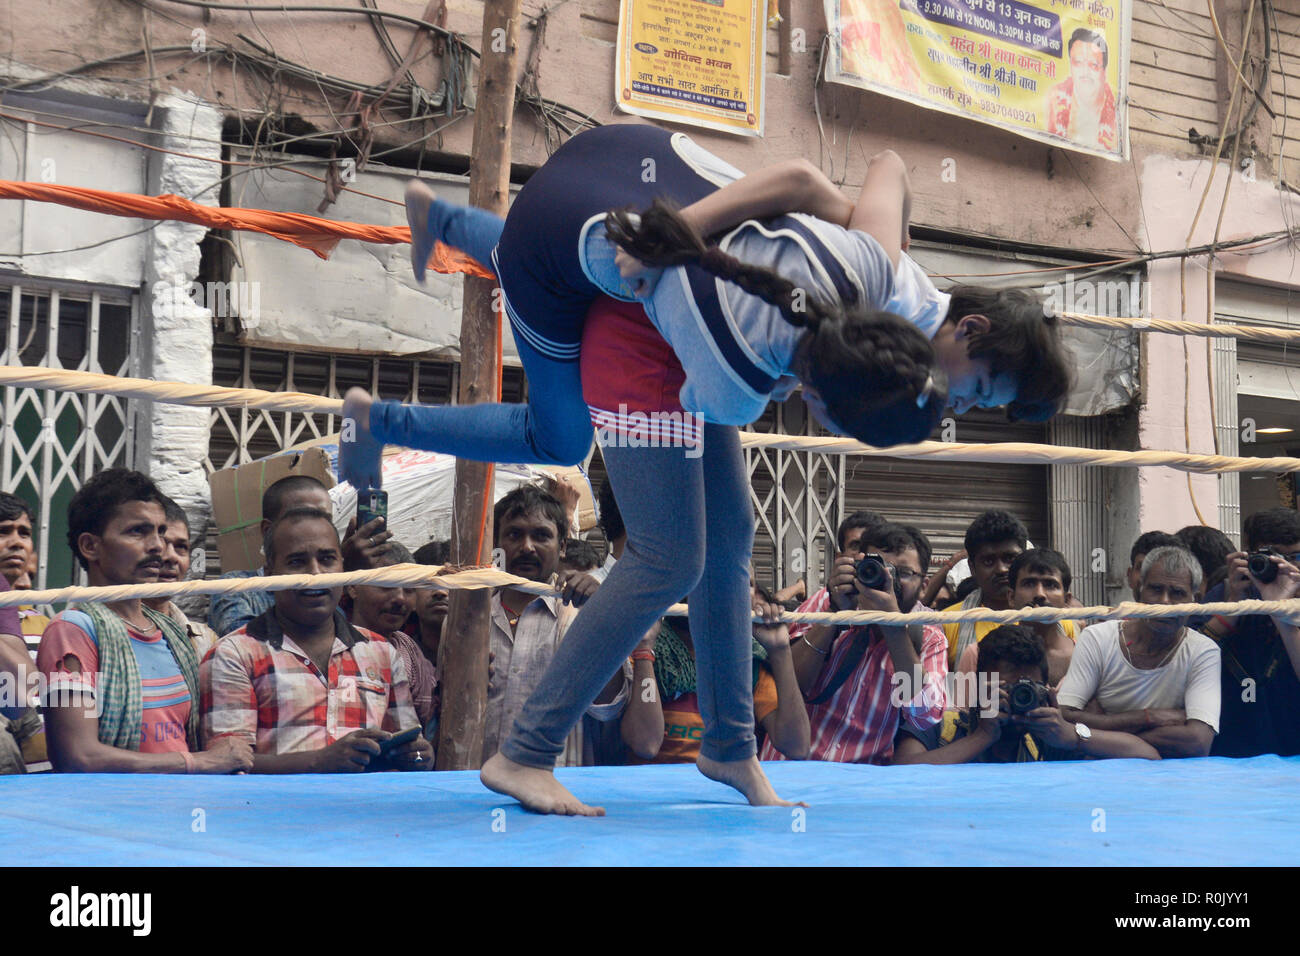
(310, 232)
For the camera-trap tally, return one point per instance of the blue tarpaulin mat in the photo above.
(1117, 813)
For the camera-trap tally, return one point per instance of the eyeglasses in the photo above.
(905, 576)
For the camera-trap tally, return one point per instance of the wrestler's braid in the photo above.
(664, 238)
(661, 237)
(889, 349)
(870, 366)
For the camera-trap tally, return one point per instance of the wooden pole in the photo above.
(463, 653)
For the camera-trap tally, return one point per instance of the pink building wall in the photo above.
(1171, 191)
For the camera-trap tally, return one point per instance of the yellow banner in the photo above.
(1052, 70)
(693, 61)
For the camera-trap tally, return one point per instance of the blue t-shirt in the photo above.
(736, 349)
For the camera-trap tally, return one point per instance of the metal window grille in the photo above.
(1226, 425)
(1080, 518)
(798, 500)
(52, 442)
(239, 436)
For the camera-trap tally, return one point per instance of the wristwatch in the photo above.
(1084, 731)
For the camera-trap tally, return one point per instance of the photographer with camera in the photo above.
(838, 594)
(1027, 725)
(1261, 653)
(1153, 677)
(859, 684)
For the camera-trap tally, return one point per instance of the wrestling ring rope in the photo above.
(216, 396)
(410, 575)
(419, 575)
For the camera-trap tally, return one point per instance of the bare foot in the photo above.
(746, 776)
(359, 453)
(537, 790)
(419, 198)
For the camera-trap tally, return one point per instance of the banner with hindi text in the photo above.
(693, 61)
(1051, 70)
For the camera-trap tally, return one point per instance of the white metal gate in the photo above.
(798, 502)
(239, 436)
(51, 442)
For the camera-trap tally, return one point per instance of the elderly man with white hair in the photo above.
(1154, 677)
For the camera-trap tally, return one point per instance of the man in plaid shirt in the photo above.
(309, 691)
(861, 682)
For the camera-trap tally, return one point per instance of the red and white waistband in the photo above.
(641, 429)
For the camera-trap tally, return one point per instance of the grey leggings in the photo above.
(690, 530)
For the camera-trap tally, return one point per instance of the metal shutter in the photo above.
(942, 498)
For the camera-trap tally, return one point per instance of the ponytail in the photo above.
(872, 369)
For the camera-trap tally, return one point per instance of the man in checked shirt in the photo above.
(310, 692)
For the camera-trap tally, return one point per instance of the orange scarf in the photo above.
(310, 232)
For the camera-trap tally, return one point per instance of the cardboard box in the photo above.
(237, 501)
(419, 483)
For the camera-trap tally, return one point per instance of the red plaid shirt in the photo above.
(816, 603)
(258, 684)
(859, 722)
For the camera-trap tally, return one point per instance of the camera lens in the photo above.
(871, 572)
(1261, 567)
(1023, 697)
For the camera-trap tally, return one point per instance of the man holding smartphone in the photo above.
(361, 547)
(310, 692)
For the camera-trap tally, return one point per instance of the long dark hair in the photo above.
(870, 367)
(1024, 340)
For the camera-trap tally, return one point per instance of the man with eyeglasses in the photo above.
(860, 682)
(1261, 653)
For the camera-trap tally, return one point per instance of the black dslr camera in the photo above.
(1026, 695)
(876, 575)
(1258, 563)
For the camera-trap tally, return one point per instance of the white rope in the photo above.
(451, 578)
(1245, 333)
(1010, 452)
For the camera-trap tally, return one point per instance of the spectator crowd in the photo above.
(347, 679)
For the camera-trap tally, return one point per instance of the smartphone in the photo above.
(386, 747)
(371, 504)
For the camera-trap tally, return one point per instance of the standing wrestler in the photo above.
(722, 329)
